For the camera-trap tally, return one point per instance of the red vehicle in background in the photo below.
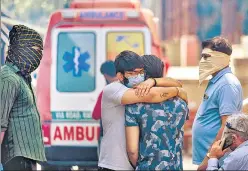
(79, 39)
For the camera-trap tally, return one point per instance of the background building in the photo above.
(184, 24)
(205, 19)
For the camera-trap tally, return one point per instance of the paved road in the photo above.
(187, 164)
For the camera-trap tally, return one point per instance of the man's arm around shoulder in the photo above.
(118, 94)
(155, 95)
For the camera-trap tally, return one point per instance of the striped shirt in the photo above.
(19, 118)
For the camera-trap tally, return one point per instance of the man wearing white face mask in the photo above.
(223, 97)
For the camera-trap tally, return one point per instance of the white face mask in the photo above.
(216, 62)
(134, 80)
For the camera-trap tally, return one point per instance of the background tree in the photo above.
(33, 11)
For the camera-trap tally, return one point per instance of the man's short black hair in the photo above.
(153, 66)
(108, 68)
(128, 61)
(219, 44)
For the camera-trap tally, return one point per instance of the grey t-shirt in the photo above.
(113, 153)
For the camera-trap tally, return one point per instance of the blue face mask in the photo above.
(134, 80)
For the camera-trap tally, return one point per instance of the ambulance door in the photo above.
(75, 85)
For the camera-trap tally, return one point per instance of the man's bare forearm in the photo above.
(160, 94)
(167, 82)
(156, 95)
(164, 95)
(218, 136)
(220, 132)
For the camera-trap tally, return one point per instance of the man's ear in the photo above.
(234, 138)
(120, 76)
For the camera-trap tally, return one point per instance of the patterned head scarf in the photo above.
(21, 52)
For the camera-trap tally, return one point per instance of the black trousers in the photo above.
(20, 163)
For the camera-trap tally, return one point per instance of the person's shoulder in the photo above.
(231, 79)
(113, 87)
(137, 106)
(238, 154)
(175, 102)
(5, 69)
(8, 75)
(172, 103)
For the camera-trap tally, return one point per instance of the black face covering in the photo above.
(20, 51)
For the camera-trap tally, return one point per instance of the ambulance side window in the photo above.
(118, 41)
(76, 62)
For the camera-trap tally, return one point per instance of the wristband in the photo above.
(211, 157)
(208, 155)
(155, 82)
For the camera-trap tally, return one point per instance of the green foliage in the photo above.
(32, 11)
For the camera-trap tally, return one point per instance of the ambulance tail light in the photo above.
(46, 129)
